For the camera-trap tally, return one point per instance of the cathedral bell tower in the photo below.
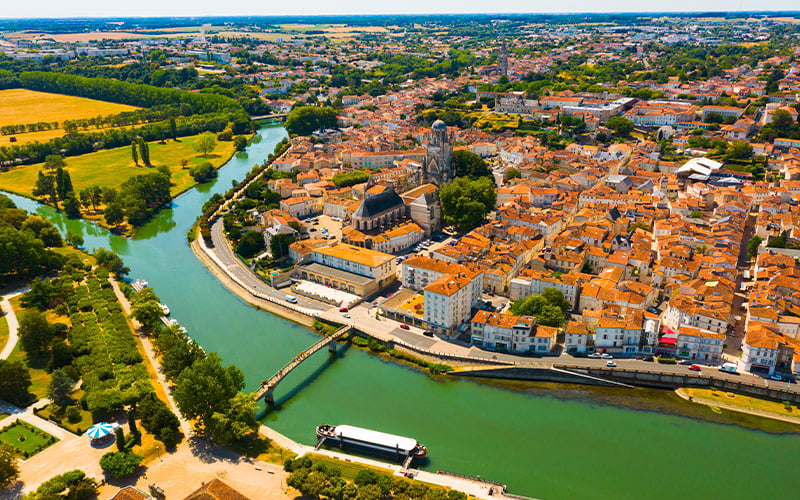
(438, 167)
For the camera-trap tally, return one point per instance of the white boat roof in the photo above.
(376, 437)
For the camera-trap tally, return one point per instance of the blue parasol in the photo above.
(100, 430)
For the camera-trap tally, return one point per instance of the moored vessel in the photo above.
(349, 436)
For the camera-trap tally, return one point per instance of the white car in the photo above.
(611, 364)
(346, 315)
(606, 355)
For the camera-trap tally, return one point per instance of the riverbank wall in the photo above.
(640, 378)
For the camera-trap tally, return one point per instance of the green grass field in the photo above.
(78, 427)
(21, 106)
(112, 167)
(25, 439)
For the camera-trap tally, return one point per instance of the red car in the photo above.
(343, 309)
(405, 326)
(695, 368)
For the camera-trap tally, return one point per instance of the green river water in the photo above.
(539, 445)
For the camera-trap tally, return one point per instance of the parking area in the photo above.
(323, 226)
(327, 294)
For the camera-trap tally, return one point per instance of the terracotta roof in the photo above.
(216, 490)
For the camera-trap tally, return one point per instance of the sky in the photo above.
(157, 8)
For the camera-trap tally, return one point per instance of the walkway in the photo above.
(151, 357)
(471, 487)
(11, 319)
(329, 340)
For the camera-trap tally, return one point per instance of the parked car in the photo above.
(696, 368)
(775, 376)
(684, 362)
(405, 327)
(291, 298)
(343, 310)
(594, 355)
(611, 364)
(606, 355)
(346, 315)
(428, 333)
(648, 357)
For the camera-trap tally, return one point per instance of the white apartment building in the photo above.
(449, 300)
(702, 346)
(511, 333)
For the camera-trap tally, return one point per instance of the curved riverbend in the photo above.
(540, 445)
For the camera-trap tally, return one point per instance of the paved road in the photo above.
(11, 319)
(225, 254)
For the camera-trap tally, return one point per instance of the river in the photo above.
(540, 445)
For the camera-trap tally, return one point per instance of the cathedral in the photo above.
(438, 167)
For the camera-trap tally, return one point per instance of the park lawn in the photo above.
(22, 106)
(348, 469)
(261, 448)
(112, 167)
(78, 427)
(40, 378)
(3, 332)
(32, 440)
(744, 402)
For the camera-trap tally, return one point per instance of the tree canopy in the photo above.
(468, 164)
(465, 201)
(549, 307)
(303, 120)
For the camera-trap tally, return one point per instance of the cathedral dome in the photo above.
(439, 125)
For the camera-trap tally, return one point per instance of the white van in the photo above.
(291, 298)
(728, 367)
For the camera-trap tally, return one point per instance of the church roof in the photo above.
(439, 125)
(377, 204)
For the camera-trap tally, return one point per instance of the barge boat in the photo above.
(349, 436)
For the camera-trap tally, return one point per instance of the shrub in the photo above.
(120, 464)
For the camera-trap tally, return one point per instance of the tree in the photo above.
(512, 173)
(35, 332)
(119, 464)
(235, 423)
(752, 246)
(6, 202)
(63, 183)
(740, 150)
(205, 143)
(15, 380)
(144, 152)
(239, 142)
(111, 261)
(134, 153)
(72, 208)
(60, 388)
(203, 172)
(176, 352)
(52, 162)
(146, 308)
(113, 214)
(468, 164)
(303, 120)
(206, 388)
(45, 186)
(132, 424)
(548, 307)
(250, 244)
(781, 121)
(279, 245)
(621, 126)
(173, 129)
(75, 483)
(465, 202)
(120, 439)
(9, 470)
(346, 179)
(74, 239)
(158, 419)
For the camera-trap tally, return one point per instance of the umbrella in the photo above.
(100, 430)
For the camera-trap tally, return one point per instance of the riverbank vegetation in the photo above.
(379, 348)
(746, 403)
(319, 477)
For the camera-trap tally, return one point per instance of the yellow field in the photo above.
(744, 402)
(112, 167)
(20, 106)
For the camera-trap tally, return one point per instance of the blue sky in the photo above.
(153, 8)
